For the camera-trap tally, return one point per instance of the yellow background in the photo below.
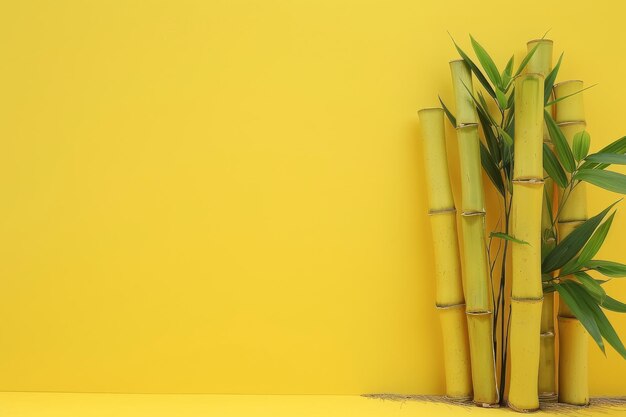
(227, 196)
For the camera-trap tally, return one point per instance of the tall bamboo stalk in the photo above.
(541, 63)
(450, 300)
(479, 291)
(526, 286)
(573, 342)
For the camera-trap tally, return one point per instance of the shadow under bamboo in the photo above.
(479, 301)
(573, 341)
(450, 300)
(541, 63)
(526, 285)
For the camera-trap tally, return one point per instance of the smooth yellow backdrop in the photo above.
(228, 196)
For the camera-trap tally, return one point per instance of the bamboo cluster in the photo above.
(526, 291)
(541, 63)
(450, 300)
(573, 342)
(479, 302)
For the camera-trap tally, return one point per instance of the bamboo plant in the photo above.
(552, 242)
(450, 300)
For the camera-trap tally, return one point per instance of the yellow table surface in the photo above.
(18, 404)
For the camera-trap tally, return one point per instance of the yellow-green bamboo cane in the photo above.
(573, 341)
(526, 286)
(541, 63)
(450, 300)
(479, 301)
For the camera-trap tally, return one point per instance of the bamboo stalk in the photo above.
(573, 342)
(479, 291)
(526, 286)
(541, 63)
(450, 300)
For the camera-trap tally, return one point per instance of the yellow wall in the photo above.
(227, 196)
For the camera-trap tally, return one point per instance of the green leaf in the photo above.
(567, 248)
(550, 78)
(580, 145)
(490, 137)
(607, 158)
(608, 268)
(609, 180)
(581, 311)
(569, 95)
(448, 113)
(505, 136)
(491, 169)
(606, 329)
(560, 143)
(592, 286)
(488, 65)
(527, 58)
(479, 75)
(611, 304)
(617, 147)
(507, 74)
(595, 242)
(508, 237)
(553, 167)
(502, 100)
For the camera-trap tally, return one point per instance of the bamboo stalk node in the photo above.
(478, 312)
(473, 213)
(442, 211)
(466, 125)
(547, 334)
(572, 122)
(448, 306)
(527, 299)
(565, 82)
(528, 181)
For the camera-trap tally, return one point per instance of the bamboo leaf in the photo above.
(508, 237)
(567, 248)
(502, 100)
(490, 137)
(595, 242)
(569, 95)
(448, 113)
(507, 74)
(617, 147)
(592, 286)
(606, 329)
(560, 143)
(527, 58)
(581, 311)
(488, 65)
(553, 167)
(609, 180)
(612, 304)
(550, 78)
(479, 75)
(505, 136)
(608, 268)
(491, 169)
(606, 158)
(580, 145)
